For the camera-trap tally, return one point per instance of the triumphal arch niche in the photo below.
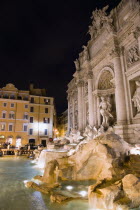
(105, 89)
(104, 96)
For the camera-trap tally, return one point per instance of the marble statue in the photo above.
(77, 64)
(105, 108)
(133, 55)
(74, 136)
(136, 97)
(90, 132)
(100, 19)
(85, 53)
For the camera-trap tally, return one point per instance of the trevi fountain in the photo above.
(96, 165)
(98, 161)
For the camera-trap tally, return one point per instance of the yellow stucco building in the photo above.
(26, 117)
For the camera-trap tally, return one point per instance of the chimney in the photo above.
(31, 86)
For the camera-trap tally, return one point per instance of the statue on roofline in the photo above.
(85, 53)
(77, 64)
(100, 20)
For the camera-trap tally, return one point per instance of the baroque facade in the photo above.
(105, 89)
(27, 117)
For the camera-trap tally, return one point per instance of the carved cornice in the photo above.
(115, 52)
(80, 83)
(104, 92)
(90, 75)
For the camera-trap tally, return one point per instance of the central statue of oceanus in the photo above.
(105, 108)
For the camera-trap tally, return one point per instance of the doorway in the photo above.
(43, 142)
(32, 142)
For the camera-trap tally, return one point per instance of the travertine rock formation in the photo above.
(96, 159)
(123, 195)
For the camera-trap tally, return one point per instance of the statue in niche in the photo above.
(100, 19)
(136, 97)
(77, 64)
(85, 53)
(105, 108)
(133, 55)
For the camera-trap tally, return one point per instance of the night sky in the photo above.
(40, 39)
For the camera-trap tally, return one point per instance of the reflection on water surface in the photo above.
(15, 196)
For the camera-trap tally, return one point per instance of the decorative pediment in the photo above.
(10, 87)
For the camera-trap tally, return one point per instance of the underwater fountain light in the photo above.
(69, 187)
(135, 150)
(83, 193)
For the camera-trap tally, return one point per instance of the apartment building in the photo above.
(26, 117)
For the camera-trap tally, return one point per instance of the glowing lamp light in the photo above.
(69, 187)
(39, 126)
(83, 193)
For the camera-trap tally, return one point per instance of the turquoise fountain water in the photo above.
(14, 171)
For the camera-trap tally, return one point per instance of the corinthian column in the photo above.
(80, 105)
(119, 88)
(90, 98)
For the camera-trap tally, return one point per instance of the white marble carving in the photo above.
(74, 136)
(85, 53)
(77, 65)
(102, 65)
(136, 97)
(105, 108)
(100, 20)
(133, 55)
